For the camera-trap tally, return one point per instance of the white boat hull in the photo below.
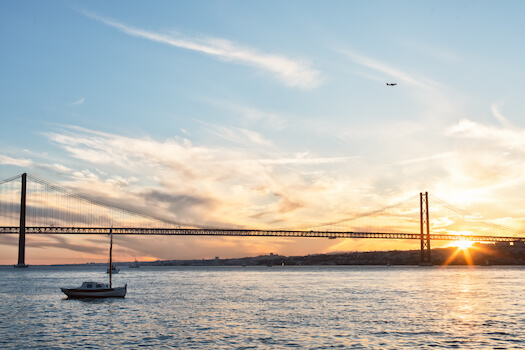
(77, 293)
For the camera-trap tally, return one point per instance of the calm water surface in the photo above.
(267, 308)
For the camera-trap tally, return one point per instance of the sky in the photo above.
(262, 114)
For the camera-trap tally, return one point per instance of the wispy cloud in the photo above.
(24, 163)
(37, 162)
(293, 73)
(388, 70)
(235, 134)
(252, 115)
(510, 138)
(301, 159)
(235, 182)
(433, 157)
(78, 102)
(500, 117)
(125, 152)
(442, 103)
(486, 165)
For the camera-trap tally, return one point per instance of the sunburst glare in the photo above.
(461, 247)
(462, 244)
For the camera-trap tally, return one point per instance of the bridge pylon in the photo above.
(425, 259)
(22, 232)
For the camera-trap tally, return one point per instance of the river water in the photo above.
(276, 307)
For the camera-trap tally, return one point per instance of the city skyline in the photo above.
(262, 114)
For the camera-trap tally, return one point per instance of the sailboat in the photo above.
(113, 269)
(97, 289)
(134, 265)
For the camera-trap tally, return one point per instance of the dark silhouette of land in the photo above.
(501, 253)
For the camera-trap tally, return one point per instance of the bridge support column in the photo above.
(22, 232)
(425, 231)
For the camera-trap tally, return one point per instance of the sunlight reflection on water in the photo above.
(266, 308)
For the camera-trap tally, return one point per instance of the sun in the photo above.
(462, 244)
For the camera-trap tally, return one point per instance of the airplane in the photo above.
(392, 84)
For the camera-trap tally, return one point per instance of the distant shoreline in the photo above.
(478, 254)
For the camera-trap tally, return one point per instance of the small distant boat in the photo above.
(97, 289)
(113, 269)
(134, 265)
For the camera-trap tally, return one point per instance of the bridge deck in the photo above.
(248, 232)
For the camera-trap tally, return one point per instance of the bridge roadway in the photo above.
(248, 232)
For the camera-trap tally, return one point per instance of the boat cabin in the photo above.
(94, 285)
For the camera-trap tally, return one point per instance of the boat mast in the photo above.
(110, 254)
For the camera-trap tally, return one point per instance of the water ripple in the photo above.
(253, 308)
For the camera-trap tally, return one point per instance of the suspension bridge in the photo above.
(30, 205)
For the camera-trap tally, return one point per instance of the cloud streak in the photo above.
(500, 117)
(293, 73)
(306, 161)
(235, 134)
(23, 163)
(509, 138)
(386, 69)
(78, 102)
